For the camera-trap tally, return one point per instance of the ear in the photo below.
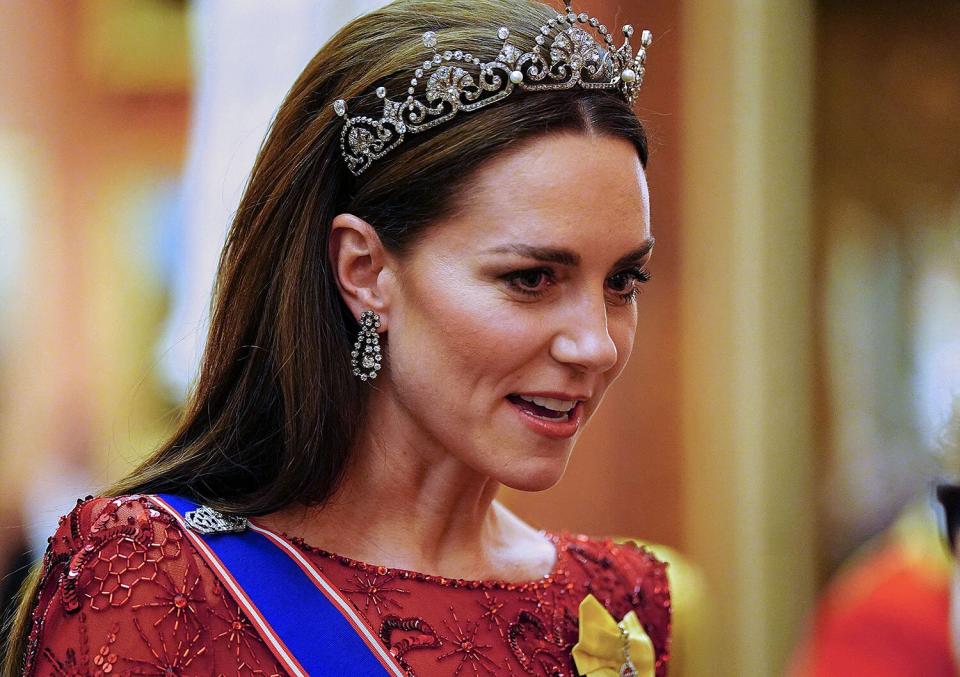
(360, 264)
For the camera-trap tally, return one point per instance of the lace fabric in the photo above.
(123, 591)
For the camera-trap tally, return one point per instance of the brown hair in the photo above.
(275, 410)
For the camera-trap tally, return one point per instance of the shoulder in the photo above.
(624, 577)
(626, 559)
(117, 541)
(122, 581)
(98, 558)
(102, 519)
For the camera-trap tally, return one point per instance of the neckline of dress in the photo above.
(557, 572)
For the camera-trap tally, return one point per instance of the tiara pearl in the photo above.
(565, 56)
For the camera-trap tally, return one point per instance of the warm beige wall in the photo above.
(76, 391)
(747, 355)
(31, 117)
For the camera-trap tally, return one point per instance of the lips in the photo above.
(553, 415)
(544, 407)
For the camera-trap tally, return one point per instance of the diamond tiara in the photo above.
(565, 56)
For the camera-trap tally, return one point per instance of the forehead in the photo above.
(571, 190)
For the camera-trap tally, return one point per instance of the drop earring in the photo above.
(365, 357)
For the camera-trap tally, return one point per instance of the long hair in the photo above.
(275, 409)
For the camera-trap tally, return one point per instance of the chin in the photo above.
(537, 476)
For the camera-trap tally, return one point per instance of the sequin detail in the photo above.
(122, 591)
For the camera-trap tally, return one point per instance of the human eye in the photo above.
(625, 284)
(532, 282)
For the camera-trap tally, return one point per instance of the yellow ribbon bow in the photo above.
(610, 649)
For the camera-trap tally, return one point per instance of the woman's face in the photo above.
(508, 321)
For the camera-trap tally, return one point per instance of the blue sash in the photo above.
(307, 624)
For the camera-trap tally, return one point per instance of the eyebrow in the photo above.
(638, 253)
(565, 257)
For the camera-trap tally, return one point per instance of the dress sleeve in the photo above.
(122, 590)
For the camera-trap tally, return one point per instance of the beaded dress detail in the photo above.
(123, 591)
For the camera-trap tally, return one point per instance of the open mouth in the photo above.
(546, 408)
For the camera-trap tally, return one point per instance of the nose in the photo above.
(584, 340)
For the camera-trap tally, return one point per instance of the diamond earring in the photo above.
(366, 356)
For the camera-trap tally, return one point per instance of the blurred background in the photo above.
(799, 351)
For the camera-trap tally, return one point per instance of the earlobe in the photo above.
(358, 258)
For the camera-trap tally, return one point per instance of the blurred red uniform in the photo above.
(887, 613)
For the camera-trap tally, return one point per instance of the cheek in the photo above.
(623, 332)
(460, 336)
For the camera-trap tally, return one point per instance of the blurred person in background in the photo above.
(888, 611)
(371, 378)
(948, 495)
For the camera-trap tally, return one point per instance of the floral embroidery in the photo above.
(376, 590)
(492, 612)
(142, 602)
(178, 603)
(167, 659)
(466, 648)
(402, 635)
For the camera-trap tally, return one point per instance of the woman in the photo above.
(429, 284)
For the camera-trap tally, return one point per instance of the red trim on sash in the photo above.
(330, 591)
(272, 640)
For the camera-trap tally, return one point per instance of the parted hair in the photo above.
(275, 408)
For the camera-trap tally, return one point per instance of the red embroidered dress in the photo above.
(124, 592)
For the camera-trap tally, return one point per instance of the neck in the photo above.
(407, 503)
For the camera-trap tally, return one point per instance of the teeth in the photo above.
(550, 403)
